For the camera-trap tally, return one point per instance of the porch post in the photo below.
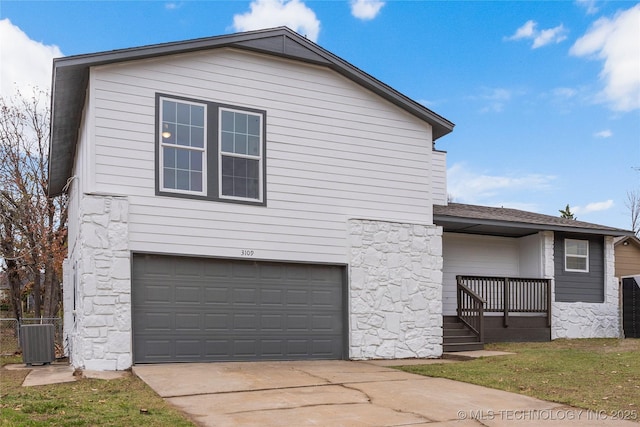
(548, 302)
(459, 297)
(506, 302)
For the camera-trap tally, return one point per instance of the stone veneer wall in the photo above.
(589, 320)
(99, 332)
(395, 290)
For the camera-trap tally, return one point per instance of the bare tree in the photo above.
(633, 204)
(32, 225)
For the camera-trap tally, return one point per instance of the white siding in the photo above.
(439, 177)
(466, 254)
(334, 151)
(531, 248)
(78, 183)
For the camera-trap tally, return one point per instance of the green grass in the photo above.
(595, 374)
(86, 402)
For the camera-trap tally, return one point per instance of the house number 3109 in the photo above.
(246, 252)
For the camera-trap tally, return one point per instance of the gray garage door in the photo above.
(198, 309)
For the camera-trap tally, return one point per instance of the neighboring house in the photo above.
(627, 250)
(254, 197)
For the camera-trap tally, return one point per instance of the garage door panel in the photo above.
(244, 296)
(153, 269)
(322, 298)
(217, 349)
(160, 349)
(325, 347)
(272, 272)
(297, 297)
(322, 323)
(273, 348)
(297, 322)
(216, 270)
(157, 293)
(200, 309)
(244, 270)
(297, 347)
(272, 297)
(189, 267)
(214, 322)
(246, 348)
(154, 321)
(187, 348)
(216, 295)
(188, 294)
(245, 323)
(188, 322)
(272, 322)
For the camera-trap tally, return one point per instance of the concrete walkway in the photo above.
(343, 393)
(58, 372)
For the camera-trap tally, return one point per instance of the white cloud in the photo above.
(589, 5)
(495, 98)
(366, 9)
(527, 31)
(603, 134)
(551, 35)
(616, 42)
(275, 13)
(24, 63)
(172, 5)
(540, 37)
(593, 207)
(468, 186)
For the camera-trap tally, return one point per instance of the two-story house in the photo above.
(255, 197)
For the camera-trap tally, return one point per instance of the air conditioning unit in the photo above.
(37, 343)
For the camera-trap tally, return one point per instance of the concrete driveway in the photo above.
(343, 393)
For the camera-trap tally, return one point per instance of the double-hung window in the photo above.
(576, 255)
(240, 154)
(183, 147)
(210, 151)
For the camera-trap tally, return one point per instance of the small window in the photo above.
(576, 255)
(182, 147)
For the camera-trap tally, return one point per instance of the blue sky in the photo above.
(545, 95)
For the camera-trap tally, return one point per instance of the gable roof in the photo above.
(71, 76)
(474, 219)
(626, 239)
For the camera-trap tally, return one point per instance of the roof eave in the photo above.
(531, 226)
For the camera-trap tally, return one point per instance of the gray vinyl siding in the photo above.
(575, 286)
(334, 151)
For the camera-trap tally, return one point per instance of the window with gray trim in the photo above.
(240, 154)
(210, 151)
(182, 147)
(576, 255)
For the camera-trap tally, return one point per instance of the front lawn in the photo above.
(87, 402)
(595, 374)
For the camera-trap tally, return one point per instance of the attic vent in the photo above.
(37, 343)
